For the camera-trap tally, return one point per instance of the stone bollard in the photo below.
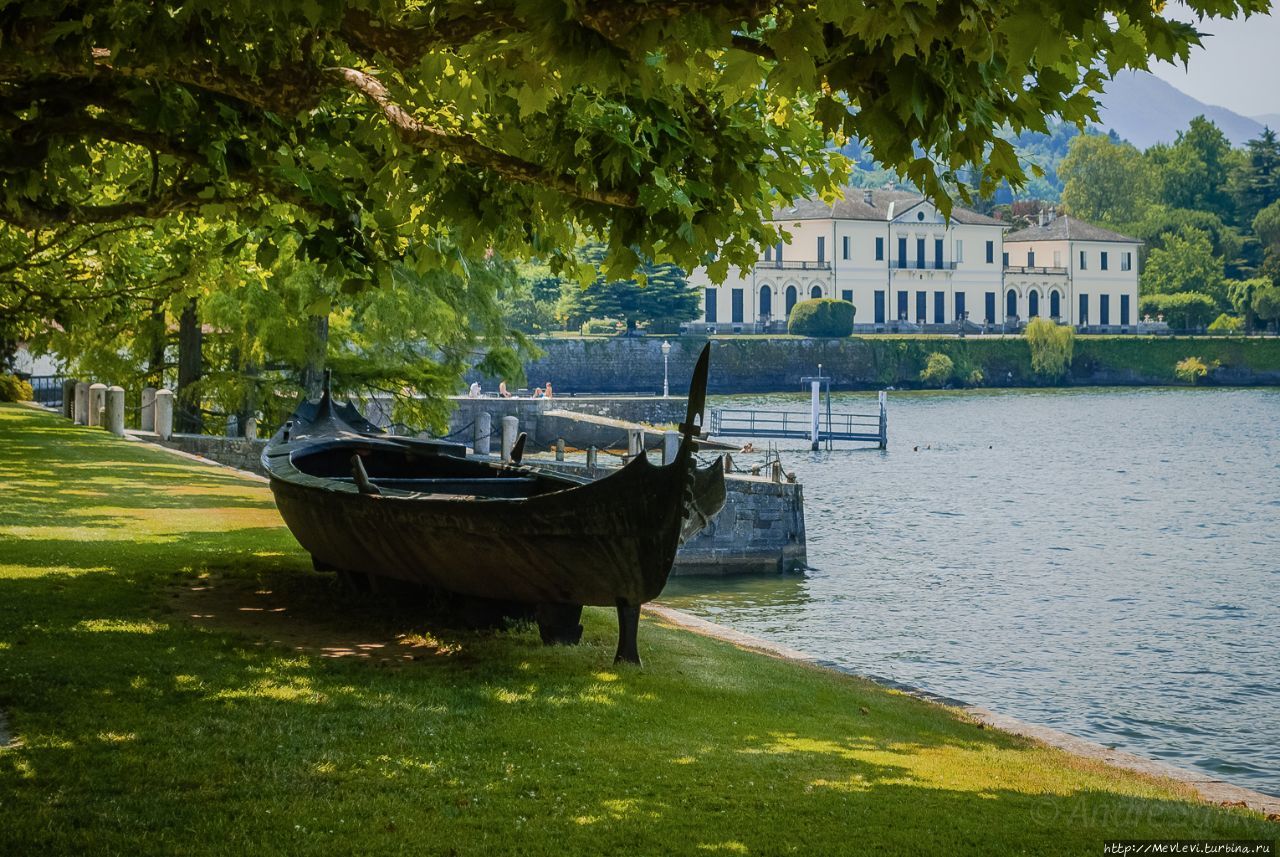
(482, 437)
(69, 399)
(97, 403)
(147, 415)
(635, 442)
(164, 414)
(510, 431)
(670, 446)
(251, 428)
(82, 403)
(591, 458)
(115, 411)
(560, 449)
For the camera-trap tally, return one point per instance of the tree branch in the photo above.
(472, 151)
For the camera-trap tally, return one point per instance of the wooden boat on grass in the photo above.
(377, 507)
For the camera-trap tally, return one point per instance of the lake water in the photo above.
(1106, 562)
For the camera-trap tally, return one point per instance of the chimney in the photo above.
(867, 198)
(1040, 218)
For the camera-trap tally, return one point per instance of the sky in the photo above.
(1237, 67)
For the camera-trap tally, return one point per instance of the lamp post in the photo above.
(666, 387)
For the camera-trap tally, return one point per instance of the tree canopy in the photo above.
(384, 129)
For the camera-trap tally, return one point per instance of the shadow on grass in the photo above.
(151, 724)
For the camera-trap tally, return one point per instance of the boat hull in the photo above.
(608, 542)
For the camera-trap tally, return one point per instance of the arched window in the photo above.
(1033, 304)
(1055, 305)
(815, 292)
(791, 299)
(766, 302)
(1011, 304)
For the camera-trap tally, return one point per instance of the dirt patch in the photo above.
(308, 621)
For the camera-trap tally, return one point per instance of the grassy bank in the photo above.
(179, 681)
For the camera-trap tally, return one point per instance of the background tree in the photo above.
(1258, 182)
(663, 299)
(1266, 304)
(1105, 181)
(1184, 264)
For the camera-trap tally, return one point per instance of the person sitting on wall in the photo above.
(502, 390)
(537, 392)
(547, 393)
(474, 392)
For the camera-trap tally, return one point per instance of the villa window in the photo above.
(879, 249)
(991, 252)
(1126, 261)
(709, 302)
(937, 253)
(1057, 258)
(844, 248)
(768, 254)
(822, 249)
(1031, 258)
(1084, 261)
(919, 252)
(1103, 262)
(902, 252)
(959, 251)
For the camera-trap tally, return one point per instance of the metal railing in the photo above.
(774, 264)
(47, 390)
(1031, 269)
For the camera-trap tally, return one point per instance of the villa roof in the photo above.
(855, 207)
(1066, 228)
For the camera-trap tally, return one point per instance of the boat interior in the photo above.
(395, 468)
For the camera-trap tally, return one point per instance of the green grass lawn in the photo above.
(167, 668)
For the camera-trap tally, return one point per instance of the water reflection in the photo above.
(1103, 561)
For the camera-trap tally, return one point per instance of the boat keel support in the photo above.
(628, 628)
(559, 624)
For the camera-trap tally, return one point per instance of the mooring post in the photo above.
(635, 442)
(591, 458)
(559, 449)
(670, 446)
(482, 434)
(69, 398)
(164, 414)
(82, 403)
(884, 421)
(815, 388)
(510, 431)
(115, 411)
(147, 413)
(251, 428)
(97, 402)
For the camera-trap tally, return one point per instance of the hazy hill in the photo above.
(1145, 110)
(1271, 120)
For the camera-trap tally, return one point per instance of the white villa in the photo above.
(903, 267)
(1073, 272)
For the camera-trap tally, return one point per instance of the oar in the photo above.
(697, 395)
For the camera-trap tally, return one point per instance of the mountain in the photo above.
(1271, 120)
(1145, 110)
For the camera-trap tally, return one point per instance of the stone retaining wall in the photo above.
(763, 364)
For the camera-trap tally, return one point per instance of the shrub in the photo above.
(1182, 310)
(1227, 324)
(1191, 369)
(937, 370)
(975, 378)
(821, 317)
(14, 389)
(599, 325)
(1266, 304)
(1052, 347)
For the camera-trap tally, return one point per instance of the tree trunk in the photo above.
(187, 417)
(317, 351)
(159, 336)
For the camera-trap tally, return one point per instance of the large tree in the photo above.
(438, 130)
